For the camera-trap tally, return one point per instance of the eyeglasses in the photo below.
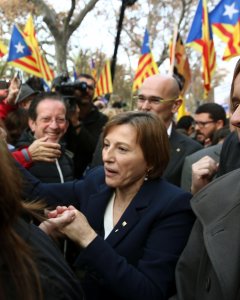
(203, 124)
(151, 100)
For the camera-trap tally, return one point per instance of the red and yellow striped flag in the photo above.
(104, 83)
(30, 37)
(33, 64)
(146, 64)
(3, 49)
(200, 37)
(233, 45)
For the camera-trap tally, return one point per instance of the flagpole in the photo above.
(175, 33)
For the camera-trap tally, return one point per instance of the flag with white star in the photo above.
(200, 37)
(18, 48)
(224, 17)
(225, 20)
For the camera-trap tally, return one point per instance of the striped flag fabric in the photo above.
(104, 83)
(27, 63)
(233, 45)
(32, 62)
(3, 49)
(225, 21)
(180, 66)
(146, 64)
(18, 47)
(200, 37)
(30, 36)
(179, 61)
(224, 17)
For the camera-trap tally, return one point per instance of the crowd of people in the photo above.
(103, 203)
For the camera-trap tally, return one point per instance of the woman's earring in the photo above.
(146, 176)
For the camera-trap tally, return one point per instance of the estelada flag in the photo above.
(3, 49)
(30, 36)
(104, 84)
(224, 17)
(146, 64)
(200, 37)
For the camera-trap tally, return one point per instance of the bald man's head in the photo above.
(160, 94)
(165, 85)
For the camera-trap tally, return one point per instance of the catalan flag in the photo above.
(224, 17)
(179, 61)
(18, 47)
(180, 67)
(200, 37)
(30, 36)
(104, 83)
(3, 49)
(25, 62)
(146, 64)
(233, 45)
(31, 62)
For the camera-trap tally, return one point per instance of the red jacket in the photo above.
(23, 157)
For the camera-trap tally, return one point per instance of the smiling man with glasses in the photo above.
(209, 117)
(160, 94)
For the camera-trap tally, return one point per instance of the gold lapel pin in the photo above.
(124, 223)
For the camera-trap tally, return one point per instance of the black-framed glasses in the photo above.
(202, 124)
(151, 100)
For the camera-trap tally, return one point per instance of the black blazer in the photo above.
(180, 146)
(138, 258)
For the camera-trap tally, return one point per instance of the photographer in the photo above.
(86, 121)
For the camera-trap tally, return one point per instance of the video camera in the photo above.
(67, 88)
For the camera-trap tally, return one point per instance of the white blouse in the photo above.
(108, 217)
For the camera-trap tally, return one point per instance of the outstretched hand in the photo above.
(70, 222)
(53, 225)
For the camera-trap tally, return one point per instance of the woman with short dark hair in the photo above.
(130, 224)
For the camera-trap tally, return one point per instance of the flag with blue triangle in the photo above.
(18, 48)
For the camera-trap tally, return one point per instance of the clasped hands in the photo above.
(70, 222)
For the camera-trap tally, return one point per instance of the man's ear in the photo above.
(219, 124)
(32, 125)
(66, 126)
(176, 105)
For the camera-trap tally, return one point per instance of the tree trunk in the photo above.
(61, 55)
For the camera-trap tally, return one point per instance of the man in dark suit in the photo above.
(209, 266)
(160, 94)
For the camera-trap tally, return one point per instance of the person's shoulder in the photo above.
(165, 188)
(231, 140)
(215, 149)
(186, 140)
(218, 197)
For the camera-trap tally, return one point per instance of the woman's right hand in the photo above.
(78, 230)
(53, 225)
